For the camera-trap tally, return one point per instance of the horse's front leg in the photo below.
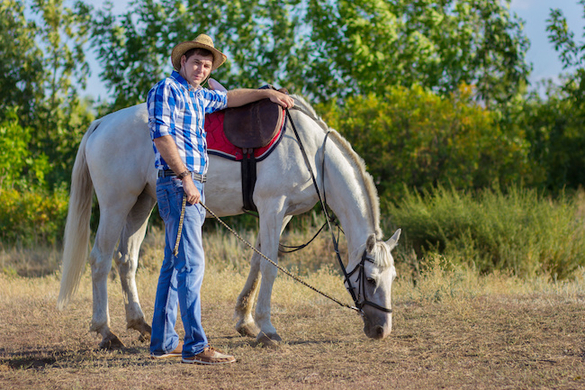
(127, 262)
(246, 325)
(270, 230)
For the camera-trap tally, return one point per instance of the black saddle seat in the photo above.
(253, 125)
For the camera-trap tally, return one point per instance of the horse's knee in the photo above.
(126, 265)
(100, 266)
(269, 273)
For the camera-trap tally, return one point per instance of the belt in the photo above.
(195, 176)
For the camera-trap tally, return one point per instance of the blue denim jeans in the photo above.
(180, 276)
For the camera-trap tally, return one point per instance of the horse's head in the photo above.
(370, 284)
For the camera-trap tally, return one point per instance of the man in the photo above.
(176, 109)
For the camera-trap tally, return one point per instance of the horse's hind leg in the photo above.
(100, 259)
(127, 262)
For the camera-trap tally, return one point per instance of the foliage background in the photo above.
(432, 94)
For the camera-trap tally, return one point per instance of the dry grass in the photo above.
(452, 330)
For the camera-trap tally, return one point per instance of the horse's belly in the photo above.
(223, 190)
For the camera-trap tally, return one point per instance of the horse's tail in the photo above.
(77, 229)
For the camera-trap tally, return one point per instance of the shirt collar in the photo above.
(179, 79)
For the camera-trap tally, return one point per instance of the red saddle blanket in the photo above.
(218, 144)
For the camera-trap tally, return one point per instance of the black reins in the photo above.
(365, 257)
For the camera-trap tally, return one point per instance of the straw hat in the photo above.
(202, 41)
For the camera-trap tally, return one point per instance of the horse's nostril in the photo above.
(379, 331)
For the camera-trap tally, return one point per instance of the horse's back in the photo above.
(121, 161)
(120, 155)
(283, 180)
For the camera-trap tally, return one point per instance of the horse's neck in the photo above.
(348, 197)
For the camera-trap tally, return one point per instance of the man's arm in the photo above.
(239, 97)
(167, 148)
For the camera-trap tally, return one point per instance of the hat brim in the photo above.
(179, 50)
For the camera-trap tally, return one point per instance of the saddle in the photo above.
(253, 125)
(250, 127)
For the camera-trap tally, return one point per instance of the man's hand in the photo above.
(191, 192)
(280, 98)
(167, 148)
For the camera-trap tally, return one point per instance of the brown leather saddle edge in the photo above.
(253, 125)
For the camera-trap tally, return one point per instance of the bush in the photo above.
(32, 217)
(417, 138)
(18, 167)
(519, 232)
(554, 129)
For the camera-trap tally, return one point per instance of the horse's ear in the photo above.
(393, 241)
(370, 243)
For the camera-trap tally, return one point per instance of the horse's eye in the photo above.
(371, 281)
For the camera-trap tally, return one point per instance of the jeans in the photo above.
(180, 276)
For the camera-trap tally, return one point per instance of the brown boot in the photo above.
(210, 356)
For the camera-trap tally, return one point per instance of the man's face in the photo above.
(196, 69)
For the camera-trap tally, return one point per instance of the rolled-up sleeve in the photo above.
(215, 100)
(161, 103)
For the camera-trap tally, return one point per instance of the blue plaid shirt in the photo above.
(177, 109)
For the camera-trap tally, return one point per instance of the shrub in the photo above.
(417, 138)
(554, 129)
(519, 232)
(32, 217)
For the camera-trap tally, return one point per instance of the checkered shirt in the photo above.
(177, 109)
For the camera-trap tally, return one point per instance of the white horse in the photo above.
(116, 160)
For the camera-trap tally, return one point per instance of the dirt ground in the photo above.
(493, 341)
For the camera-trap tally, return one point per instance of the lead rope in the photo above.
(180, 230)
(283, 270)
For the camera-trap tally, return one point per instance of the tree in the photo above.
(134, 49)
(39, 63)
(20, 63)
(322, 48)
(14, 150)
(440, 45)
(571, 53)
(554, 124)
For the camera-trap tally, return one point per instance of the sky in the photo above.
(544, 59)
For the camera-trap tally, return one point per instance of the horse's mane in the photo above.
(356, 161)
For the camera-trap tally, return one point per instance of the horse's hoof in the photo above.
(144, 337)
(247, 330)
(141, 326)
(111, 342)
(269, 340)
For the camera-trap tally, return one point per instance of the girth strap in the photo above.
(248, 169)
(248, 127)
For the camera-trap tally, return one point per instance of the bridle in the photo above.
(360, 299)
(361, 289)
